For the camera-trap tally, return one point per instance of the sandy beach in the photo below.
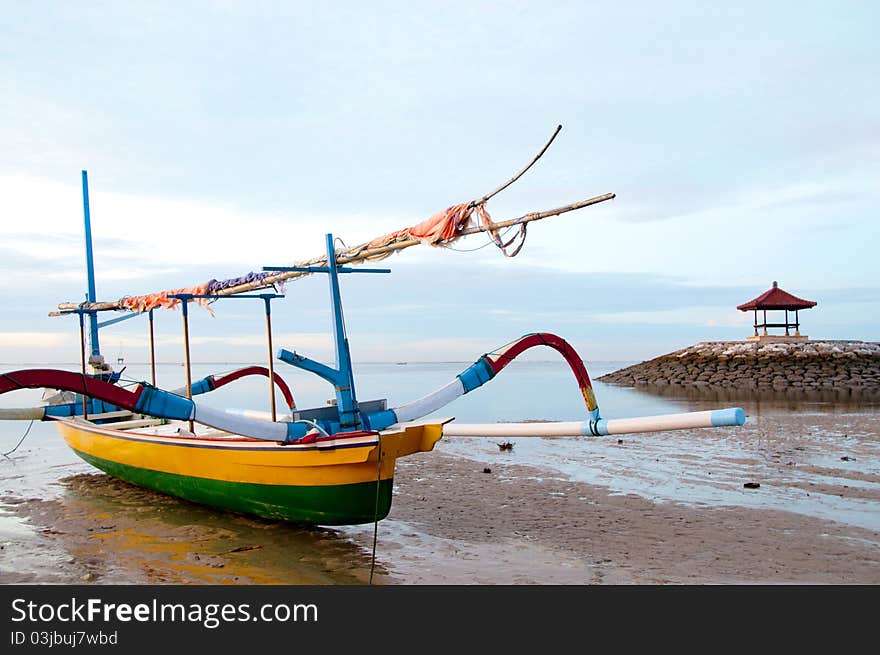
(515, 526)
(460, 521)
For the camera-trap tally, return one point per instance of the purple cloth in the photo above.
(216, 285)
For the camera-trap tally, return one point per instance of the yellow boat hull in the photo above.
(342, 482)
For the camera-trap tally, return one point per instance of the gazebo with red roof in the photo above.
(777, 299)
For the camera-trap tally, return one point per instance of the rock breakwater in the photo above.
(842, 366)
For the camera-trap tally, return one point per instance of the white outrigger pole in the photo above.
(733, 416)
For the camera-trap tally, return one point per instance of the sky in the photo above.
(742, 141)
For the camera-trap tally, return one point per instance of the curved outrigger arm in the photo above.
(146, 399)
(212, 382)
(96, 405)
(490, 364)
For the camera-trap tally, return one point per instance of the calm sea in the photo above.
(696, 466)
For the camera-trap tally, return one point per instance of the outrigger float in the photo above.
(329, 465)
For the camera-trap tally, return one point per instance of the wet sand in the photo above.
(514, 525)
(105, 531)
(498, 520)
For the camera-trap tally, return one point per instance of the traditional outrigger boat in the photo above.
(330, 465)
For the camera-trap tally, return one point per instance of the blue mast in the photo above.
(90, 268)
(342, 376)
(349, 417)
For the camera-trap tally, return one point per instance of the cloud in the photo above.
(406, 347)
(35, 340)
(163, 234)
(711, 316)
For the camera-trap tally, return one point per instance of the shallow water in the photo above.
(818, 457)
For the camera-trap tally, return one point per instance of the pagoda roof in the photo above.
(776, 298)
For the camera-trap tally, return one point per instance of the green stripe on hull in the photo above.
(344, 504)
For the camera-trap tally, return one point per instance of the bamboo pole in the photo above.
(365, 252)
(82, 359)
(186, 360)
(152, 351)
(485, 199)
(267, 301)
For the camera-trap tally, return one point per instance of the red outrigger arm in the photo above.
(36, 378)
(255, 370)
(141, 399)
(95, 388)
(489, 365)
(503, 356)
(146, 399)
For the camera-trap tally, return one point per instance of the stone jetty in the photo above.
(842, 366)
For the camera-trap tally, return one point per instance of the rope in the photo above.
(314, 425)
(486, 221)
(488, 243)
(445, 228)
(125, 383)
(9, 452)
(376, 508)
(509, 358)
(492, 240)
(14, 382)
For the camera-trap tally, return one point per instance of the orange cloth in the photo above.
(161, 300)
(442, 227)
(446, 226)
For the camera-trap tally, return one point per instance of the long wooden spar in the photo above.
(358, 254)
(371, 251)
(364, 252)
